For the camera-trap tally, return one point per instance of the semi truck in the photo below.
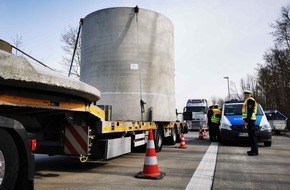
(195, 114)
(44, 112)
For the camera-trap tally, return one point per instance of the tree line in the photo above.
(271, 83)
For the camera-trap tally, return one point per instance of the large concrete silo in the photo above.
(116, 47)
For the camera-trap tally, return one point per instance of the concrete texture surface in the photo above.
(17, 71)
(111, 61)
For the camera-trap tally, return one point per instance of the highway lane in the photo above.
(233, 170)
(270, 170)
(60, 172)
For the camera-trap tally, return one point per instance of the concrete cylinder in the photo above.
(129, 56)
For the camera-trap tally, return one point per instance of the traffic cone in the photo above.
(200, 136)
(204, 133)
(182, 142)
(150, 169)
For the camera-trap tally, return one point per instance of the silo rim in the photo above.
(127, 8)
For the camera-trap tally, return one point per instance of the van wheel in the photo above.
(268, 143)
(277, 132)
(158, 139)
(9, 161)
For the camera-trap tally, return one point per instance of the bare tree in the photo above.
(273, 84)
(217, 100)
(220, 102)
(282, 28)
(235, 93)
(69, 41)
(17, 42)
(274, 80)
(250, 83)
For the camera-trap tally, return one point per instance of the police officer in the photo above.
(215, 123)
(249, 111)
(209, 115)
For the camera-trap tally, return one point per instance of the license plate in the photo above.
(243, 135)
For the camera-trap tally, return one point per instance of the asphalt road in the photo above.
(269, 170)
(234, 169)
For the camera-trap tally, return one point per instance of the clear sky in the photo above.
(213, 38)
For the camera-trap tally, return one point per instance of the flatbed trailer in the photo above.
(52, 119)
(37, 116)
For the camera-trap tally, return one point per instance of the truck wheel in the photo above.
(173, 138)
(9, 161)
(158, 139)
(268, 143)
(277, 132)
(178, 139)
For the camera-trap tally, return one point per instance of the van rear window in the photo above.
(236, 109)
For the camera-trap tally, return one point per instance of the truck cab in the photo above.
(195, 114)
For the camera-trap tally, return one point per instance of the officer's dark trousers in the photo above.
(253, 136)
(210, 131)
(215, 131)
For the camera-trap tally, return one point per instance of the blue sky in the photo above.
(213, 38)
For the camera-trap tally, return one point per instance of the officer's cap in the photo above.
(248, 92)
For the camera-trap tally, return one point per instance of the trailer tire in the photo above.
(158, 139)
(173, 137)
(178, 133)
(268, 143)
(10, 159)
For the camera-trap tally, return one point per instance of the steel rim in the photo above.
(174, 135)
(2, 167)
(159, 140)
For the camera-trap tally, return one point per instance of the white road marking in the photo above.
(204, 174)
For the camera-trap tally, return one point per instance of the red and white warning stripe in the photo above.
(150, 158)
(76, 140)
(182, 143)
(150, 164)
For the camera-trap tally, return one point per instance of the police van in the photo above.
(232, 124)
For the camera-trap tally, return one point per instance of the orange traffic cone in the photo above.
(200, 136)
(182, 142)
(150, 169)
(204, 133)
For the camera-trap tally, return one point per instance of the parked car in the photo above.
(232, 125)
(277, 120)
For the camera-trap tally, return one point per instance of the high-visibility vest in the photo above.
(214, 118)
(245, 109)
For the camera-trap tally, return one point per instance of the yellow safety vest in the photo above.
(214, 118)
(245, 109)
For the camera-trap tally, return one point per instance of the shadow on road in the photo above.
(63, 163)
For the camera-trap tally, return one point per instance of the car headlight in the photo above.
(266, 127)
(225, 126)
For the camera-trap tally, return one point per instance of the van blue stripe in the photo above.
(238, 120)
